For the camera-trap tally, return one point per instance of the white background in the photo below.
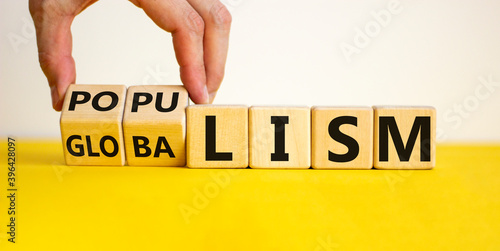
(282, 52)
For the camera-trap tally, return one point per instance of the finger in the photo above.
(52, 21)
(54, 53)
(187, 28)
(216, 39)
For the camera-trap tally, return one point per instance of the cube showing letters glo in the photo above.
(91, 125)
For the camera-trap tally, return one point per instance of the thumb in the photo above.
(54, 40)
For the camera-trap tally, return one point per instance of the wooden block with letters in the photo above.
(342, 137)
(405, 137)
(154, 125)
(280, 137)
(91, 125)
(217, 136)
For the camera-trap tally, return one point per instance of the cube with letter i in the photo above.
(405, 137)
(91, 125)
(280, 137)
(154, 125)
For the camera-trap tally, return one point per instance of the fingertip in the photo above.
(58, 106)
(199, 96)
(58, 93)
(194, 81)
(54, 93)
(203, 97)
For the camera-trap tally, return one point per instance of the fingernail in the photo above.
(206, 97)
(55, 96)
(212, 96)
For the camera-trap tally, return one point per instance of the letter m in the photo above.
(388, 124)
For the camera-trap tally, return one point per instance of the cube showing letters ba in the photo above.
(154, 125)
(217, 136)
(342, 137)
(91, 125)
(404, 137)
(280, 137)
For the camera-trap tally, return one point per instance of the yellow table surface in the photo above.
(58, 207)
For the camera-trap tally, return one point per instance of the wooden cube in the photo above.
(280, 137)
(405, 137)
(154, 125)
(91, 125)
(342, 138)
(217, 136)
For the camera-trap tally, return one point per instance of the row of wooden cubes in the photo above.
(154, 126)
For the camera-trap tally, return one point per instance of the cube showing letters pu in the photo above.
(404, 137)
(342, 138)
(280, 137)
(154, 125)
(217, 136)
(91, 125)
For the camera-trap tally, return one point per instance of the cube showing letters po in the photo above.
(91, 125)
(154, 125)
(217, 136)
(342, 138)
(280, 137)
(405, 137)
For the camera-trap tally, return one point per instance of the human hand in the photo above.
(200, 33)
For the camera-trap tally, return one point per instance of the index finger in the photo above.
(187, 28)
(216, 40)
